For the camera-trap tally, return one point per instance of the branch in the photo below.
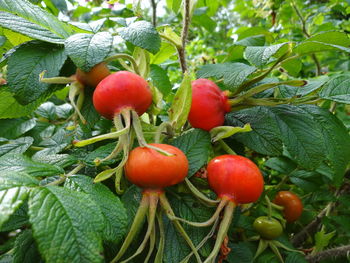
(184, 34)
(329, 253)
(154, 12)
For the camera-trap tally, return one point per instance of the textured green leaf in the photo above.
(131, 199)
(111, 207)
(281, 164)
(322, 239)
(66, 225)
(141, 34)
(336, 139)
(61, 160)
(307, 180)
(10, 108)
(295, 258)
(14, 189)
(181, 105)
(258, 40)
(13, 128)
(57, 142)
(23, 17)
(323, 42)
(160, 79)
(18, 146)
(25, 65)
(242, 253)
(293, 66)
(234, 74)
(17, 220)
(87, 50)
(166, 51)
(286, 125)
(260, 56)
(337, 89)
(25, 250)
(196, 144)
(21, 163)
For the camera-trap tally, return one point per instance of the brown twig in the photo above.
(184, 34)
(329, 253)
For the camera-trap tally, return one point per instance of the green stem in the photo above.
(75, 90)
(261, 248)
(224, 226)
(226, 148)
(64, 177)
(136, 225)
(276, 251)
(152, 242)
(55, 80)
(209, 222)
(198, 194)
(153, 201)
(160, 251)
(267, 199)
(277, 207)
(169, 212)
(127, 57)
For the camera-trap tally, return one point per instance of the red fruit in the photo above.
(293, 207)
(209, 105)
(94, 76)
(235, 177)
(150, 169)
(122, 90)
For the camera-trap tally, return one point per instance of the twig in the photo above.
(154, 12)
(65, 176)
(184, 34)
(303, 24)
(329, 253)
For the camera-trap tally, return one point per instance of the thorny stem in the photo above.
(136, 225)
(65, 176)
(184, 34)
(224, 226)
(154, 12)
(127, 57)
(209, 222)
(153, 201)
(198, 194)
(329, 253)
(170, 213)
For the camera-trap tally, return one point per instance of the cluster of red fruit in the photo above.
(235, 179)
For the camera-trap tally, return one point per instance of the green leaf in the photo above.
(323, 42)
(322, 240)
(295, 258)
(242, 253)
(66, 225)
(234, 74)
(196, 144)
(23, 17)
(16, 146)
(176, 247)
(336, 139)
(57, 142)
(254, 31)
(141, 34)
(286, 125)
(160, 79)
(181, 105)
(25, 65)
(25, 250)
(166, 51)
(309, 181)
(21, 163)
(15, 38)
(111, 207)
(61, 160)
(87, 50)
(13, 128)
(14, 189)
(10, 108)
(259, 56)
(281, 164)
(17, 220)
(258, 40)
(337, 89)
(292, 66)
(222, 132)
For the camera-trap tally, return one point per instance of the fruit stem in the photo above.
(160, 251)
(198, 194)
(170, 213)
(152, 241)
(153, 202)
(277, 207)
(76, 89)
(124, 56)
(226, 148)
(136, 225)
(209, 222)
(224, 226)
(55, 80)
(268, 207)
(139, 135)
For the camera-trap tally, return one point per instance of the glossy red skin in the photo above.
(94, 76)
(293, 207)
(209, 105)
(122, 90)
(235, 177)
(150, 169)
